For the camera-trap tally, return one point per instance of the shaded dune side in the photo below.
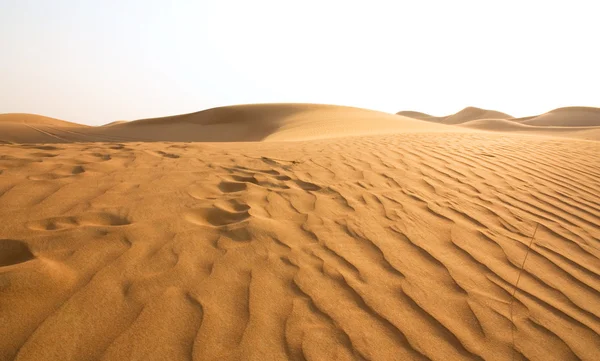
(13, 252)
(395, 247)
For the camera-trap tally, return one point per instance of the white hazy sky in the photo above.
(98, 61)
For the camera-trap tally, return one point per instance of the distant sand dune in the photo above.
(574, 122)
(584, 132)
(285, 122)
(567, 117)
(269, 122)
(240, 123)
(465, 115)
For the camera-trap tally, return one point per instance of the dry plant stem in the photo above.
(512, 298)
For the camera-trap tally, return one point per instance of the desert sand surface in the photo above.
(301, 232)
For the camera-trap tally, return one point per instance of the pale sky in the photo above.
(95, 62)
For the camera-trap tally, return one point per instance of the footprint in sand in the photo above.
(223, 213)
(232, 187)
(101, 219)
(14, 252)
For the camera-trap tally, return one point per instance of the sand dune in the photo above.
(399, 246)
(33, 128)
(257, 122)
(465, 115)
(567, 117)
(23, 118)
(573, 122)
(284, 122)
(591, 133)
(269, 122)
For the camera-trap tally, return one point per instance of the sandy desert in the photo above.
(301, 232)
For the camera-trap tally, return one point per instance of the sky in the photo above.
(95, 62)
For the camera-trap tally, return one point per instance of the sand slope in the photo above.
(385, 247)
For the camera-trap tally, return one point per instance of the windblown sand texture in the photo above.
(300, 232)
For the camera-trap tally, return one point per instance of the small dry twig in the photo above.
(512, 298)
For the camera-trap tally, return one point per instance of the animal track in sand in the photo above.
(41, 147)
(101, 219)
(14, 252)
(77, 170)
(57, 175)
(46, 176)
(269, 178)
(261, 179)
(43, 155)
(223, 213)
(168, 155)
(307, 186)
(160, 153)
(102, 156)
(232, 187)
(245, 179)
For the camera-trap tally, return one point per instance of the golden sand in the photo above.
(300, 232)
